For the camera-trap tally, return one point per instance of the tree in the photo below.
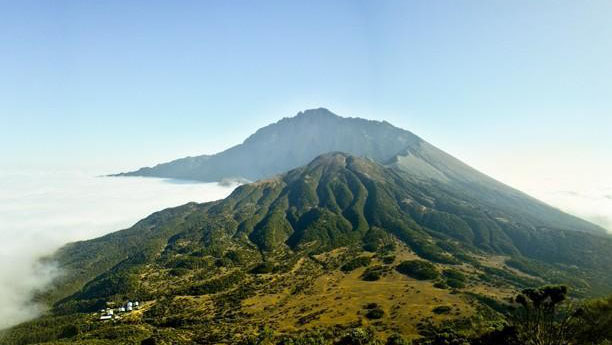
(544, 317)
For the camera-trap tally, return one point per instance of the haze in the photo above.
(520, 90)
(40, 211)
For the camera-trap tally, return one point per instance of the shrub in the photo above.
(264, 267)
(371, 276)
(418, 269)
(371, 305)
(355, 263)
(374, 314)
(440, 285)
(455, 284)
(372, 273)
(388, 259)
(454, 274)
(443, 309)
(370, 247)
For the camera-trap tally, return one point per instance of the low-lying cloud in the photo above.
(590, 203)
(39, 212)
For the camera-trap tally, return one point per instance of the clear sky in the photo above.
(511, 87)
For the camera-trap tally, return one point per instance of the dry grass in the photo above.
(336, 298)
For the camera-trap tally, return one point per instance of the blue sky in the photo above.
(114, 85)
(521, 90)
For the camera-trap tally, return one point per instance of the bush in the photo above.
(371, 276)
(264, 267)
(454, 274)
(374, 311)
(374, 314)
(372, 273)
(388, 259)
(455, 284)
(371, 305)
(443, 309)
(440, 285)
(355, 263)
(418, 269)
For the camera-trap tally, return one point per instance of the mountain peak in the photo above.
(317, 112)
(341, 160)
(331, 158)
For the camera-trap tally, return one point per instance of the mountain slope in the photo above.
(293, 142)
(288, 144)
(339, 200)
(310, 251)
(424, 161)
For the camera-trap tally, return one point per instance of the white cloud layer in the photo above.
(579, 183)
(592, 204)
(39, 212)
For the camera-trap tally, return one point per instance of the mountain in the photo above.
(288, 144)
(293, 142)
(339, 244)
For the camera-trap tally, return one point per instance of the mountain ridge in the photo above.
(295, 141)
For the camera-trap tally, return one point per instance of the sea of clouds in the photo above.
(587, 197)
(41, 211)
(592, 204)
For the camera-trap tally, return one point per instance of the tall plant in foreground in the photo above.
(545, 317)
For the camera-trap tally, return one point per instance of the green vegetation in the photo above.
(373, 273)
(264, 267)
(216, 285)
(418, 269)
(355, 263)
(374, 311)
(374, 314)
(443, 309)
(454, 278)
(288, 254)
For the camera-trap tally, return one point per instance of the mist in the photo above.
(578, 182)
(41, 211)
(594, 205)
(589, 199)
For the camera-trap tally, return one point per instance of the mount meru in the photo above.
(389, 242)
(294, 142)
